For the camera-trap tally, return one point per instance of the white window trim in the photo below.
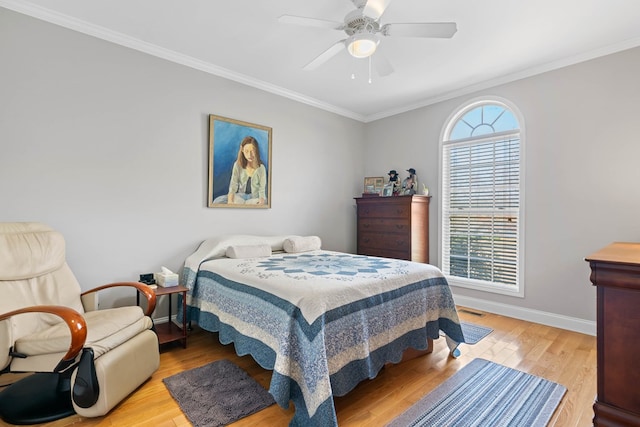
(446, 129)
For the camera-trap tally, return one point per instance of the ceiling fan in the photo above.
(364, 31)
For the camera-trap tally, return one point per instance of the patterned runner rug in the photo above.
(484, 393)
(217, 394)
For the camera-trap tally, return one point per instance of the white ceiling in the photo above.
(497, 41)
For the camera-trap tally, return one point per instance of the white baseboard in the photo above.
(164, 319)
(550, 319)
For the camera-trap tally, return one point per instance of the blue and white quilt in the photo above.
(323, 321)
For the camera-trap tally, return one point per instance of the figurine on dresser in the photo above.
(393, 179)
(410, 183)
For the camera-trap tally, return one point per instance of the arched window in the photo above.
(482, 182)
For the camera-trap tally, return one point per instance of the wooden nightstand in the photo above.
(169, 331)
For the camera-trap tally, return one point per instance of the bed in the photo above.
(323, 321)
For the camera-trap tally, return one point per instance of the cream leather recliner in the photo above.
(84, 360)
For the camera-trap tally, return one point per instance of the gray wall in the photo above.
(109, 146)
(582, 173)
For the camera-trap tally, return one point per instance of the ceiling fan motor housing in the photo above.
(356, 22)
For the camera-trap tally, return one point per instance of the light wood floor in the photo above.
(565, 357)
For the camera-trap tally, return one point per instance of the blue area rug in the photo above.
(484, 393)
(474, 333)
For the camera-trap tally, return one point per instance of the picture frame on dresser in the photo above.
(387, 190)
(373, 185)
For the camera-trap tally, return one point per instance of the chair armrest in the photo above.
(145, 290)
(73, 319)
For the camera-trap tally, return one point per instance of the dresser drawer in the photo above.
(392, 210)
(386, 253)
(384, 225)
(385, 241)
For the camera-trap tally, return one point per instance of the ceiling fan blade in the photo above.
(444, 30)
(310, 22)
(375, 8)
(382, 64)
(325, 56)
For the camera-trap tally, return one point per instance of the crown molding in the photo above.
(103, 33)
(523, 74)
(84, 27)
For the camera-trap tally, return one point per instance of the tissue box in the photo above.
(166, 280)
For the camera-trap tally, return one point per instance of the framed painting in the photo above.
(373, 185)
(239, 164)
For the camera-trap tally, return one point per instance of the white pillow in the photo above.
(296, 244)
(248, 251)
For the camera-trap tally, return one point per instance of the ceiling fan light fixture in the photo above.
(362, 45)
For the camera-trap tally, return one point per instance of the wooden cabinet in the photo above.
(394, 227)
(615, 271)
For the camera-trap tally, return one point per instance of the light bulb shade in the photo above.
(362, 45)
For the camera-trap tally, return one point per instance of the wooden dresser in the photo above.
(615, 271)
(394, 227)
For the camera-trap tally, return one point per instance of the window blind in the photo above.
(481, 202)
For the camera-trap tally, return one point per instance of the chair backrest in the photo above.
(33, 271)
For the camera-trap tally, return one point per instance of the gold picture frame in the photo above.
(373, 185)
